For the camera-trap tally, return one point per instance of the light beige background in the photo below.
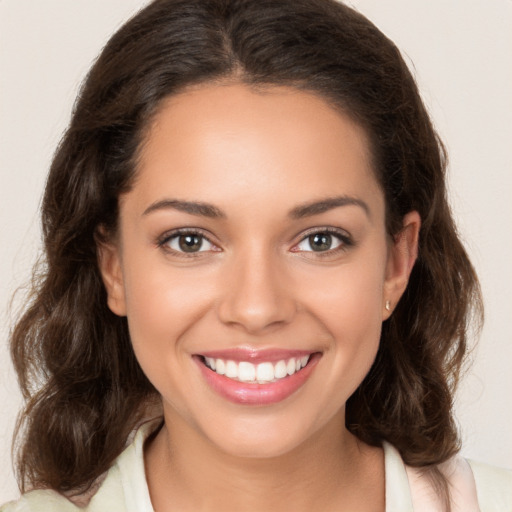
(461, 53)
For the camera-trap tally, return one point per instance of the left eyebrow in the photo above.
(324, 205)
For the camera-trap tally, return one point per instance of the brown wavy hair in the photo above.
(83, 387)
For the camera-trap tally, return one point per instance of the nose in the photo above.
(257, 296)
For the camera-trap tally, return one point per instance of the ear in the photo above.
(109, 262)
(402, 254)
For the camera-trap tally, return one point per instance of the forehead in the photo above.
(286, 144)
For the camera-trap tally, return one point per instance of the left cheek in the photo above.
(351, 294)
(350, 311)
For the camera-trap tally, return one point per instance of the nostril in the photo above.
(256, 315)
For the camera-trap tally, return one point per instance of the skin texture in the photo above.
(256, 283)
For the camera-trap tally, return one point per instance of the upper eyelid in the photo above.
(345, 238)
(185, 231)
(342, 233)
(163, 240)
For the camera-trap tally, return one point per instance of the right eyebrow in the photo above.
(191, 207)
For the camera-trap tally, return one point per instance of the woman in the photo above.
(248, 240)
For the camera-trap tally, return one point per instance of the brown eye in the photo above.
(323, 241)
(187, 243)
(190, 243)
(320, 241)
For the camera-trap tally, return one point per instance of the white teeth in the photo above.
(246, 371)
(220, 366)
(231, 370)
(280, 370)
(262, 373)
(265, 372)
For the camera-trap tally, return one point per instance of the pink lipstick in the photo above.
(256, 377)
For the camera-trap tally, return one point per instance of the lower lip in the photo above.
(253, 393)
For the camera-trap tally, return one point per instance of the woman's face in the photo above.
(253, 265)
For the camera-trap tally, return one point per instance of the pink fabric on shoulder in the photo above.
(462, 487)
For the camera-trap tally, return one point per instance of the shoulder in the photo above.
(474, 486)
(493, 487)
(124, 483)
(40, 501)
(108, 496)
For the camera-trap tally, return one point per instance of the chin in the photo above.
(267, 437)
(276, 445)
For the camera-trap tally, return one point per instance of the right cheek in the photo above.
(163, 302)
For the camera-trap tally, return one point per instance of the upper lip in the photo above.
(256, 355)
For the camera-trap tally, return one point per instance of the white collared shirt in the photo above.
(474, 487)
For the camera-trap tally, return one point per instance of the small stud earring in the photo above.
(388, 306)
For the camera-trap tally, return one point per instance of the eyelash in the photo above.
(344, 238)
(163, 241)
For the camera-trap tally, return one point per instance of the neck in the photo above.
(332, 470)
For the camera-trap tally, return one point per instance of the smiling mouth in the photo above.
(257, 378)
(262, 373)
